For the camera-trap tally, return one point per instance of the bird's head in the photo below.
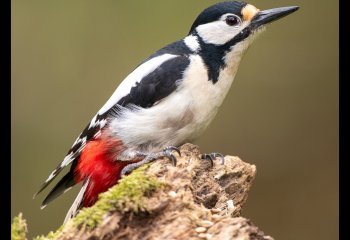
(222, 33)
(228, 23)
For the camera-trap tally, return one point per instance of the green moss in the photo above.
(18, 228)
(51, 235)
(125, 196)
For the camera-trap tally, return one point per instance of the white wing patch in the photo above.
(133, 78)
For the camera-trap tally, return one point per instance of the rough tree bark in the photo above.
(190, 201)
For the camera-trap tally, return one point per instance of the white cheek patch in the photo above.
(218, 32)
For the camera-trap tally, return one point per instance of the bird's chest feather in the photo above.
(180, 117)
(205, 96)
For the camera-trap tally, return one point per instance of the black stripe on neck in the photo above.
(213, 55)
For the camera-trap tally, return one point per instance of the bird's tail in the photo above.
(78, 202)
(97, 167)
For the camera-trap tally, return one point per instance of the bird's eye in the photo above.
(232, 20)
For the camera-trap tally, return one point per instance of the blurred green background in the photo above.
(280, 114)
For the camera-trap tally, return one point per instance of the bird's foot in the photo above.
(150, 157)
(212, 156)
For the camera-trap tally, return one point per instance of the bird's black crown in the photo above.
(215, 11)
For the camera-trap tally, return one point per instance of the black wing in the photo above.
(152, 88)
(90, 131)
(157, 84)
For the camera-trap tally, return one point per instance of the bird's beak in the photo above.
(267, 16)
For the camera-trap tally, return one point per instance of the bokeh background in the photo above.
(280, 114)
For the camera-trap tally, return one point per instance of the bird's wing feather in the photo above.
(156, 85)
(134, 78)
(61, 187)
(148, 83)
(93, 129)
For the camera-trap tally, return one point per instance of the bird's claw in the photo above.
(171, 148)
(168, 153)
(212, 156)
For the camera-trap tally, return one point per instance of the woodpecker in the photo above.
(167, 100)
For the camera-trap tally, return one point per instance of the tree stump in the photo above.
(192, 200)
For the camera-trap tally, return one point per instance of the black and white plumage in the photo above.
(172, 96)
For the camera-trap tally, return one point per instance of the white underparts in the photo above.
(183, 115)
(180, 117)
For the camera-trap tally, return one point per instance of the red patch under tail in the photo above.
(98, 162)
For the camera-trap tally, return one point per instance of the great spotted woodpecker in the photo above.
(169, 99)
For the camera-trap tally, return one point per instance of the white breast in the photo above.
(180, 117)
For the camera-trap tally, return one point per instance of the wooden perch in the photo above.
(159, 201)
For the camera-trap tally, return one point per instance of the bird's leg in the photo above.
(212, 156)
(150, 157)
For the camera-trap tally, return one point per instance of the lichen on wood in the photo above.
(19, 228)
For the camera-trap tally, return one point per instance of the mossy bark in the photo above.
(159, 201)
